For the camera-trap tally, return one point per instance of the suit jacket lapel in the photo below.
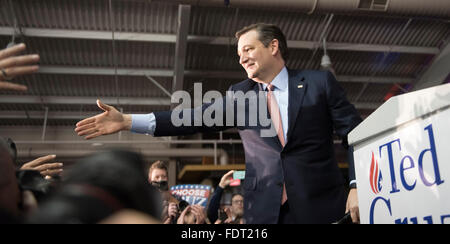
(297, 89)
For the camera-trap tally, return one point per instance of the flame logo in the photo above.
(375, 176)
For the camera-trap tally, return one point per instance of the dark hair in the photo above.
(9, 209)
(158, 165)
(9, 145)
(236, 194)
(267, 32)
(98, 186)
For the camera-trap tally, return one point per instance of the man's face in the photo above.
(237, 205)
(255, 58)
(158, 175)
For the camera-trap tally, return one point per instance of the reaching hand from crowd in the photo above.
(226, 179)
(108, 122)
(171, 211)
(45, 166)
(229, 218)
(199, 213)
(12, 66)
(183, 215)
(192, 214)
(229, 215)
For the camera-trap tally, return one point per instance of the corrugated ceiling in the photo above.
(159, 18)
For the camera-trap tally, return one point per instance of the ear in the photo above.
(275, 46)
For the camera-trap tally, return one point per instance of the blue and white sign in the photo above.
(403, 177)
(193, 194)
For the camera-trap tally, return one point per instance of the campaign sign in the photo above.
(235, 182)
(403, 177)
(239, 175)
(193, 194)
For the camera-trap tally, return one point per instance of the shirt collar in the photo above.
(280, 81)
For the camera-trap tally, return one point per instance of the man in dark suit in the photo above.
(291, 176)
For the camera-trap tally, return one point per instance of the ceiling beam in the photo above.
(68, 100)
(437, 72)
(92, 35)
(171, 38)
(184, 13)
(375, 79)
(22, 114)
(73, 70)
(52, 115)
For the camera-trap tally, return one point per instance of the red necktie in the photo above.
(274, 111)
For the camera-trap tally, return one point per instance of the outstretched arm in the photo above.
(156, 124)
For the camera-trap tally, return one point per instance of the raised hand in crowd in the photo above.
(199, 213)
(229, 218)
(108, 122)
(183, 219)
(12, 66)
(172, 212)
(99, 186)
(45, 166)
(226, 179)
(192, 214)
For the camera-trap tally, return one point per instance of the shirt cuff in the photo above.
(143, 123)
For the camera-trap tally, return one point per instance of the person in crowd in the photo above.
(104, 185)
(214, 205)
(237, 209)
(29, 178)
(10, 195)
(44, 165)
(26, 188)
(292, 176)
(234, 213)
(158, 177)
(10, 146)
(12, 65)
(175, 211)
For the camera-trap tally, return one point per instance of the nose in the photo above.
(243, 59)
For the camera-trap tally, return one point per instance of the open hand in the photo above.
(12, 66)
(226, 179)
(45, 166)
(108, 122)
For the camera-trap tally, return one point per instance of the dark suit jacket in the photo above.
(307, 164)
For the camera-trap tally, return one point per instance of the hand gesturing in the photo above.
(12, 66)
(108, 122)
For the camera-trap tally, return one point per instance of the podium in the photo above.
(402, 159)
